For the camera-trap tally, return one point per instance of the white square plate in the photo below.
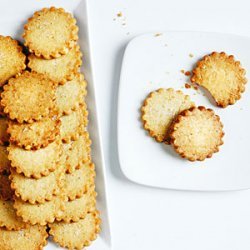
(13, 15)
(155, 61)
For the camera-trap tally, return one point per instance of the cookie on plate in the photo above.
(36, 135)
(159, 110)
(197, 133)
(76, 235)
(12, 59)
(4, 161)
(29, 97)
(50, 32)
(60, 69)
(222, 76)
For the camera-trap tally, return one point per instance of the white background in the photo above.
(145, 218)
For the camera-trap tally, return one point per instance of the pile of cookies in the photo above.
(47, 178)
(195, 132)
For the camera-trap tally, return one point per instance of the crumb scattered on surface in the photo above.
(187, 73)
(191, 55)
(187, 86)
(119, 14)
(158, 34)
(183, 71)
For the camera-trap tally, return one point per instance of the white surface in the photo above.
(145, 218)
(152, 62)
(13, 15)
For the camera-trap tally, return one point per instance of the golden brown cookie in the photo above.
(222, 76)
(29, 97)
(34, 135)
(4, 161)
(60, 69)
(35, 163)
(6, 193)
(31, 238)
(73, 125)
(159, 110)
(4, 137)
(197, 133)
(2, 114)
(12, 59)
(50, 32)
(70, 96)
(76, 235)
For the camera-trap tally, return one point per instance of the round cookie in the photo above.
(12, 59)
(222, 76)
(159, 110)
(197, 133)
(50, 32)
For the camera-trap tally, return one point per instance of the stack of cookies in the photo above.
(49, 174)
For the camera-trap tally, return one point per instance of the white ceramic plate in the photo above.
(152, 62)
(13, 15)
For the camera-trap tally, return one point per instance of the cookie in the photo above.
(6, 193)
(12, 59)
(222, 76)
(70, 96)
(4, 161)
(60, 69)
(50, 32)
(40, 213)
(31, 238)
(2, 114)
(4, 137)
(159, 110)
(35, 163)
(31, 136)
(29, 97)
(45, 187)
(76, 235)
(8, 217)
(73, 125)
(197, 133)
(76, 184)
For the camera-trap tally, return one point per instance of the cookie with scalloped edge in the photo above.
(29, 97)
(40, 213)
(159, 110)
(12, 59)
(70, 96)
(73, 125)
(4, 137)
(76, 235)
(36, 135)
(4, 161)
(45, 187)
(76, 184)
(222, 76)
(30, 238)
(60, 69)
(8, 217)
(35, 163)
(197, 133)
(50, 32)
(6, 193)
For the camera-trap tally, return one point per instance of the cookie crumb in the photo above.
(191, 55)
(119, 14)
(187, 73)
(187, 86)
(183, 71)
(158, 34)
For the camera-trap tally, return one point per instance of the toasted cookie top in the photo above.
(50, 32)
(12, 60)
(197, 133)
(159, 110)
(222, 76)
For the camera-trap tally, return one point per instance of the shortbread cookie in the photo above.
(60, 69)
(73, 125)
(34, 135)
(45, 187)
(76, 235)
(50, 32)
(40, 213)
(8, 217)
(35, 163)
(6, 193)
(197, 133)
(70, 96)
(4, 161)
(12, 59)
(31, 238)
(79, 182)
(29, 97)
(159, 110)
(222, 76)
(4, 137)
